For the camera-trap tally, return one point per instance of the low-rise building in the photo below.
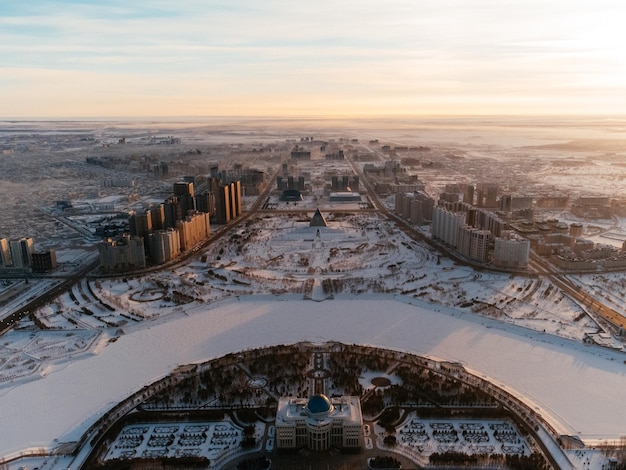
(319, 422)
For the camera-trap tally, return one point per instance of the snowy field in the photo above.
(212, 440)
(106, 338)
(467, 436)
(280, 255)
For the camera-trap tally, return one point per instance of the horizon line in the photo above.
(106, 118)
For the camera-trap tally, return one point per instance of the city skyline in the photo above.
(76, 59)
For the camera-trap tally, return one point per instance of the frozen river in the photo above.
(580, 389)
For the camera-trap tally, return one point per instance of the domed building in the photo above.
(319, 422)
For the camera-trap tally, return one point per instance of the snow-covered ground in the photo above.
(579, 389)
(199, 439)
(427, 436)
(106, 338)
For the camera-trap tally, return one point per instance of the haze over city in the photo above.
(344, 58)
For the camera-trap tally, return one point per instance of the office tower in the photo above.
(5, 253)
(21, 252)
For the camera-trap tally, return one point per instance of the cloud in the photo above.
(487, 54)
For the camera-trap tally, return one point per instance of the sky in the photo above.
(79, 58)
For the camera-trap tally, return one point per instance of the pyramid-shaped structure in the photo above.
(318, 220)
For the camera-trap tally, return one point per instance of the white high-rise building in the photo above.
(473, 243)
(511, 251)
(446, 225)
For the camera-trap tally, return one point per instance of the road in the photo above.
(45, 297)
(577, 293)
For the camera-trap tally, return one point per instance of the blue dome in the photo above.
(319, 404)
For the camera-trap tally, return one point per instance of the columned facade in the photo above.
(319, 423)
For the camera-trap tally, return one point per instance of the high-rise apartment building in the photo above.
(157, 216)
(164, 245)
(184, 191)
(173, 211)
(205, 202)
(193, 229)
(416, 207)
(446, 225)
(511, 251)
(120, 255)
(141, 223)
(223, 212)
(487, 195)
(473, 243)
(487, 220)
(183, 188)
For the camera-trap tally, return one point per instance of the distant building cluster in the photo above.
(592, 207)
(289, 182)
(471, 232)
(344, 183)
(162, 232)
(252, 180)
(339, 155)
(19, 256)
(299, 153)
(339, 187)
(473, 219)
